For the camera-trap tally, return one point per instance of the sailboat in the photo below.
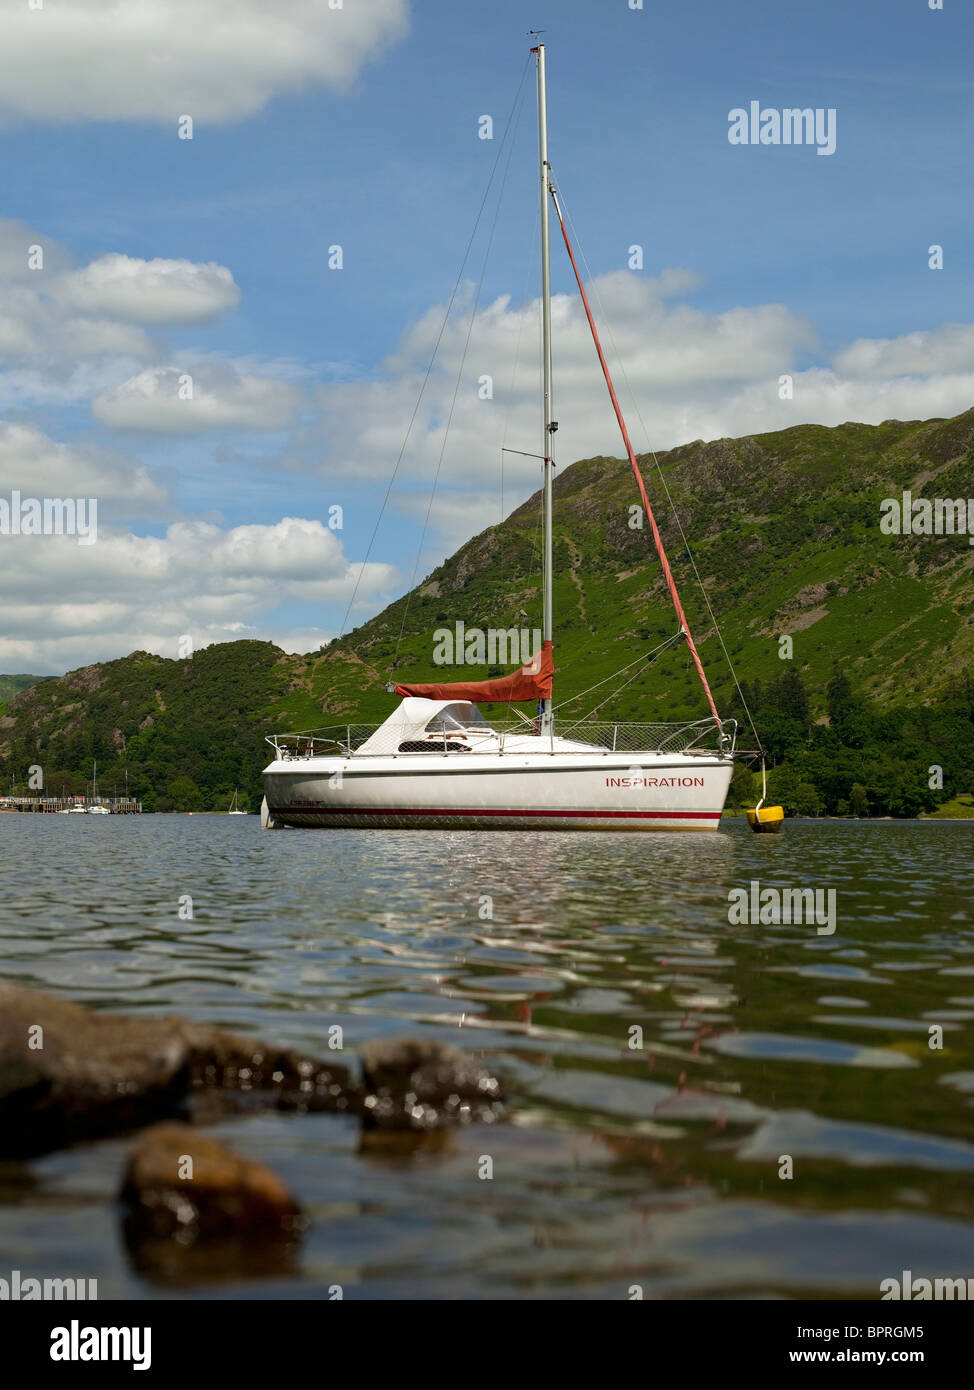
(96, 809)
(437, 762)
(233, 811)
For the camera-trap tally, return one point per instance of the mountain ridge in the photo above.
(786, 539)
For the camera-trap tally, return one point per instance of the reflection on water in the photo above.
(655, 1165)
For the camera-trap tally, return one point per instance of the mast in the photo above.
(549, 425)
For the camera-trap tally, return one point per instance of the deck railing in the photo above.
(699, 736)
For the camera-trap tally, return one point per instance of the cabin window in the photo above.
(432, 745)
(457, 717)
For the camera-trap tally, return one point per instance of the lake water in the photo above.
(656, 1167)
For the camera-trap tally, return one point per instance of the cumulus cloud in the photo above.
(948, 349)
(38, 467)
(151, 292)
(66, 605)
(88, 334)
(196, 397)
(85, 334)
(160, 59)
(69, 333)
(680, 373)
(675, 359)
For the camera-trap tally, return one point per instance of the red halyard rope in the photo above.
(657, 538)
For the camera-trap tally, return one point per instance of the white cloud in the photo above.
(70, 333)
(688, 375)
(151, 292)
(947, 349)
(78, 334)
(196, 397)
(676, 358)
(66, 605)
(160, 59)
(39, 467)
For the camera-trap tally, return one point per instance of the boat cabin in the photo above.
(430, 726)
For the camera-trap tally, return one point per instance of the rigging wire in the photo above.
(436, 347)
(652, 453)
(642, 657)
(511, 128)
(534, 558)
(517, 355)
(649, 660)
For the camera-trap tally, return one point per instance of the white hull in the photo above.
(603, 791)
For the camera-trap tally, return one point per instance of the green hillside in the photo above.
(13, 685)
(785, 533)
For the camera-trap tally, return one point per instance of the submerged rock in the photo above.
(182, 1182)
(198, 1210)
(413, 1084)
(69, 1073)
(195, 1210)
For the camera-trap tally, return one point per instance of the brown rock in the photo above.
(198, 1211)
(100, 1073)
(414, 1084)
(185, 1183)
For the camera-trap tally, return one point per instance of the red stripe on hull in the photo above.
(452, 811)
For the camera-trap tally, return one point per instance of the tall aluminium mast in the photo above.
(549, 424)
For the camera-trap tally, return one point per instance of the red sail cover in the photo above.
(531, 682)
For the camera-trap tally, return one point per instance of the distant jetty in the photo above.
(115, 806)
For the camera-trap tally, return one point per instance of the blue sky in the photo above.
(794, 263)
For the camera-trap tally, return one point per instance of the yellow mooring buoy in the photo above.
(765, 820)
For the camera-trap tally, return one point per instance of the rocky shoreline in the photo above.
(69, 1074)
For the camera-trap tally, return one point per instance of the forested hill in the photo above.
(785, 529)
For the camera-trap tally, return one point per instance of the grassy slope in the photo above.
(13, 685)
(785, 533)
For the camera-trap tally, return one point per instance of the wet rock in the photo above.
(412, 1084)
(198, 1210)
(248, 1067)
(185, 1183)
(68, 1073)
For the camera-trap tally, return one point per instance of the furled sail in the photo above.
(530, 682)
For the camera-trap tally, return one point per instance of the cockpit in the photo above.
(452, 729)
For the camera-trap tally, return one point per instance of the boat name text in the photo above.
(654, 782)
